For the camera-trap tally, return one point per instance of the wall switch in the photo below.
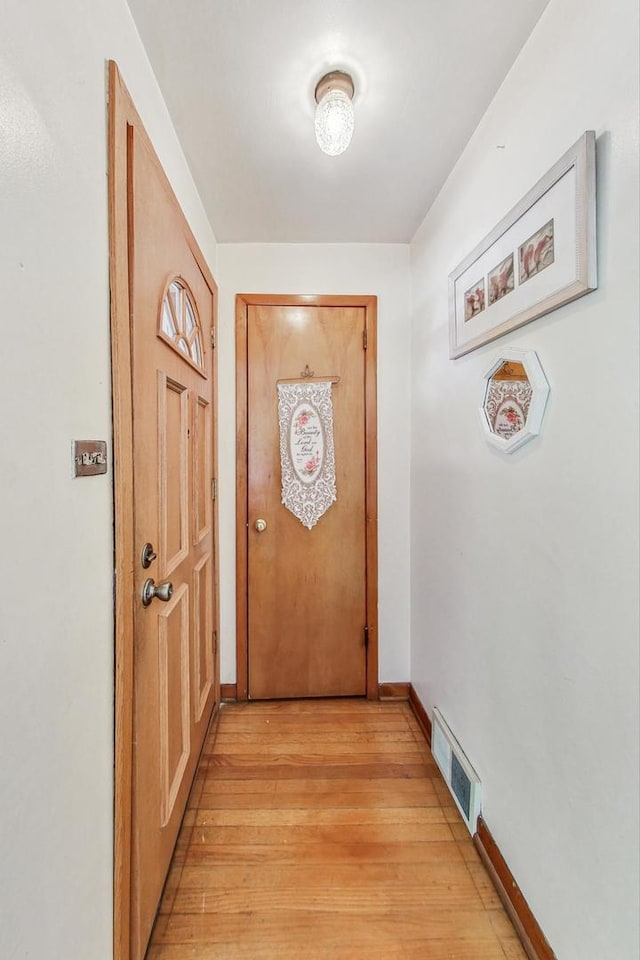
(89, 458)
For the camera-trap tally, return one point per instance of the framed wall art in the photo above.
(514, 396)
(539, 257)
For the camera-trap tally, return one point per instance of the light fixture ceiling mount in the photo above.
(336, 80)
(334, 112)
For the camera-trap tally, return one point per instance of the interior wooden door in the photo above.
(308, 605)
(172, 297)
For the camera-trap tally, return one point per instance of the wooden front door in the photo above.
(172, 562)
(308, 595)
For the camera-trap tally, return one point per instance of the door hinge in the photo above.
(213, 337)
(364, 339)
(215, 643)
(214, 488)
(366, 636)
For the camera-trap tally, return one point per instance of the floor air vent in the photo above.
(458, 773)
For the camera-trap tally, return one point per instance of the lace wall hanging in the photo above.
(307, 459)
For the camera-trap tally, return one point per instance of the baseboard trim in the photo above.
(535, 943)
(393, 691)
(420, 713)
(228, 691)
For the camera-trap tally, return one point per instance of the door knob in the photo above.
(260, 525)
(163, 591)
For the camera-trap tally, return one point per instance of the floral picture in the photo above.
(501, 280)
(474, 300)
(536, 253)
(509, 420)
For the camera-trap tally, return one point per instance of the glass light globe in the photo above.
(334, 122)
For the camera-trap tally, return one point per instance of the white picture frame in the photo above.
(539, 257)
(535, 404)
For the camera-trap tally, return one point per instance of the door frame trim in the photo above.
(370, 306)
(123, 117)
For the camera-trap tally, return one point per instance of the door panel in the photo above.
(175, 732)
(307, 589)
(202, 503)
(173, 428)
(203, 650)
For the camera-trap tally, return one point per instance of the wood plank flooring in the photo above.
(322, 830)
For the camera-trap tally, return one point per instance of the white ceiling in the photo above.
(238, 77)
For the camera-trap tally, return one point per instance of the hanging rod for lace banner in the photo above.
(309, 375)
(333, 379)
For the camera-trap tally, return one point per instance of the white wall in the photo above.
(379, 269)
(525, 568)
(56, 646)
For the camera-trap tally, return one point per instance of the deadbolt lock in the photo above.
(148, 556)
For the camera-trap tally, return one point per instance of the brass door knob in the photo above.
(260, 525)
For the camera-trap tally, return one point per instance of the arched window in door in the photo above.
(179, 323)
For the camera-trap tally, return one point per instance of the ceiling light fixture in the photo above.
(334, 113)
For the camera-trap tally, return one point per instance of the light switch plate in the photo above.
(89, 458)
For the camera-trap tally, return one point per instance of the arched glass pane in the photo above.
(196, 354)
(176, 293)
(168, 325)
(191, 320)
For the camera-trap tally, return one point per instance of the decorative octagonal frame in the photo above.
(537, 404)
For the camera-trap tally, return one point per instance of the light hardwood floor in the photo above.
(322, 830)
